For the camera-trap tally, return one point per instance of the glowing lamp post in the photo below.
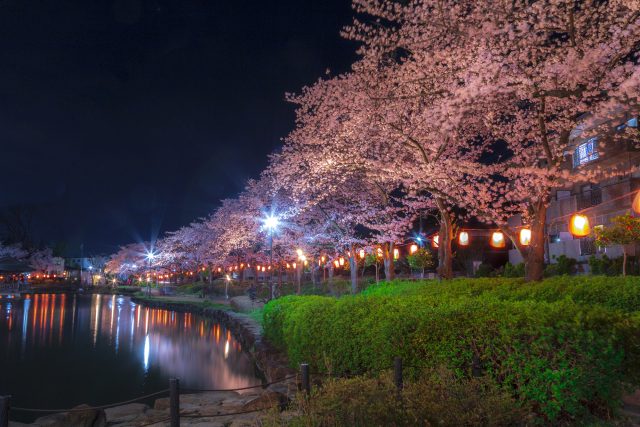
(150, 258)
(463, 238)
(579, 225)
(271, 223)
(497, 240)
(525, 237)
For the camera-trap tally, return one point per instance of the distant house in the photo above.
(615, 149)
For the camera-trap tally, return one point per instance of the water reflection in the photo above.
(74, 342)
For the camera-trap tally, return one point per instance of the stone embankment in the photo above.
(210, 409)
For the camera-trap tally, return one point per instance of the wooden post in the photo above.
(304, 371)
(397, 373)
(4, 411)
(174, 402)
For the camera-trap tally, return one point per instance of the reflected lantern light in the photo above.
(497, 239)
(525, 236)
(579, 225)
(463, 238)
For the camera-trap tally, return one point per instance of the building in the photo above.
(617, 149)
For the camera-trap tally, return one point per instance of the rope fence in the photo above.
(174, 397)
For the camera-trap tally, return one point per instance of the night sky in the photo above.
(123, 119)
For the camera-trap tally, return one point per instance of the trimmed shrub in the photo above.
(436, 398)
(558, 356)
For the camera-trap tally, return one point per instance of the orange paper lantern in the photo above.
(413, 249)
(497, 240)
(579, 225)
(636, 203)
(463, 238)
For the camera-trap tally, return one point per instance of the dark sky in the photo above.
(120, 119)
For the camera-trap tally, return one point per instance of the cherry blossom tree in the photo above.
(529, 70)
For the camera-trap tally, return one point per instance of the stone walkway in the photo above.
(215, 409)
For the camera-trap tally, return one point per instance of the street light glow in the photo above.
(271, 222)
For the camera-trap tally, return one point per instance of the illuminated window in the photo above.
(585, 153)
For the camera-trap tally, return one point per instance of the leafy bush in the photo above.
(436, 398)
(511, 270)
(421, 260)
(564, 266)
(561, 357)
(485, 270)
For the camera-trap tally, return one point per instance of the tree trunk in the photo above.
(534, 260)
(314, 274)
(353, 266)
(299, 268)
(445, 237)
(389, 267)
(624, 261)
(330, 280)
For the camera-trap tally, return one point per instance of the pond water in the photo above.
(61, 350)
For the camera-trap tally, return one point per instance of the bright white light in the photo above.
(146, 352)
(150, 256)
(271, 222)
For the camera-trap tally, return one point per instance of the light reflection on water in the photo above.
(62, 350)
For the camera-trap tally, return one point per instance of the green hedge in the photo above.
(561, 357)
(613, 292)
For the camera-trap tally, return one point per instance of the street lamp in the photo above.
(270, 223)
(150, 257)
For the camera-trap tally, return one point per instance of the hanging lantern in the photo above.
(341, 261)
(636, 203)
(322, 258)
(413, 249)
(306, 262)
(288, 266)
(263, 269)
(336, 263)
(525, 236)
(396, 253)
(379, 252)
(294, 265)
(497, 240)
(463, 238)
(361, 253)
(435, 241)
(579, 225)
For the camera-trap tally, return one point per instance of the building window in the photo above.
(585, 153)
